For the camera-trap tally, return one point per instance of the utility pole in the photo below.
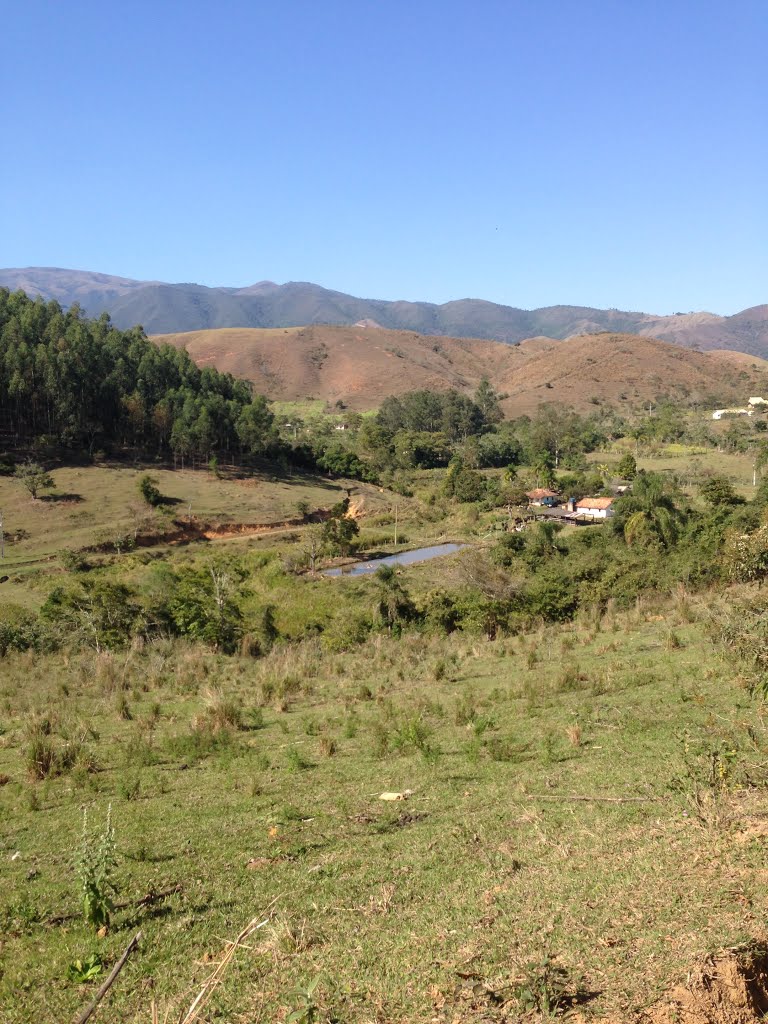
(2, 537)
(395, 524)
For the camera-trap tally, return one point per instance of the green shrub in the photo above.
(149, 491)
(346, 632)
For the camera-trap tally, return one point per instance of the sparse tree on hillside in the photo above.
(488, 402)
(34, 477)
(149, 491)
(393, 603)
(340, 529)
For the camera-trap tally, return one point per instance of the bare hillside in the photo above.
(359, 365)
(624, 369)
(362, 365)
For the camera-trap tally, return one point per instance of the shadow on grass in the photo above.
(153, 913)
(150, 858)
(62, 498)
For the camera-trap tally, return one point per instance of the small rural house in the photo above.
(597, 508)
(757, 402)
(542, 496)
(719, 413)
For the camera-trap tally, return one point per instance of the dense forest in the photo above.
(83, 385)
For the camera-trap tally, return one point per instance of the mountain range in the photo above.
(163, 308)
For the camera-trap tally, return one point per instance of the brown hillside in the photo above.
(362, 365)
(743, 360)
(626, 369)
(359, 365)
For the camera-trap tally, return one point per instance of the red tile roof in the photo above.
(541, 492)
(594, 503)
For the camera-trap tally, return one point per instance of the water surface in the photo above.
(403, 558)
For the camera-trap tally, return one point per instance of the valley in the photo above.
(533, 767)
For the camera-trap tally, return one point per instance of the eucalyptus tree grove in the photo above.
(82, 384)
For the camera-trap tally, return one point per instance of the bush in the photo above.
(346, 632)
(149, 491)
(73, 561)
(19, 630)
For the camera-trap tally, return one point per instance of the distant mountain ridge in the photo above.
(163, 308)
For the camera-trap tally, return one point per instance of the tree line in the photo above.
(82, 384)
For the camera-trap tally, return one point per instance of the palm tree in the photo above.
(393, 603)
(649, 516)
(604, 470)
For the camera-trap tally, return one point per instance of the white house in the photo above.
(543, 496)
(719, 413)
(596, 508)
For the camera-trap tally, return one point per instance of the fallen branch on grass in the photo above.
(91, 1008)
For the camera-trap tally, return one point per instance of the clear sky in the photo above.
(589, 152)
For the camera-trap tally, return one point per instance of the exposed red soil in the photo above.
(187, 530)
(729, 988)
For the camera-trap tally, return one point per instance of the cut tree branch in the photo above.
(91, 1009)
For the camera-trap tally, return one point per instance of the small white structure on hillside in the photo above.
(757, 402)
(719, 413)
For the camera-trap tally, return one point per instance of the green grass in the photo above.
(91, 504)
(690, 463)
(305, 409)
(249, 781)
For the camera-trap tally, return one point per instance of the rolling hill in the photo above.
(164, 308)
(362, 365)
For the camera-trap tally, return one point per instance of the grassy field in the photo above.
(303, 408)
(587, 808)
(690, 464)
(89, 505)
(507, 880)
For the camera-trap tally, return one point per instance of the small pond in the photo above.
(403, 558)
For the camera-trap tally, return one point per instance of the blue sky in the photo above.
(532, 153)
